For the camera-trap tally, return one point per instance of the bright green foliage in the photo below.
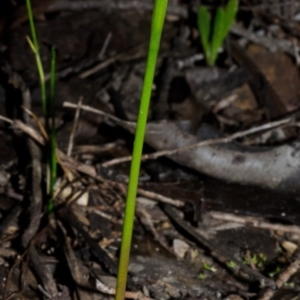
(257, 259)
(158, 18)
(210, 268)
(231, 264)
(212, 37)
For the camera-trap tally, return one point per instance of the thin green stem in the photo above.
(35, 48)
(49, 112)
(31, 23)
(158, 18)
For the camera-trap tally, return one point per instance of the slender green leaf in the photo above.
(204, 26)
(158, 18)
(217, 37)
(33, 42)
(51, 149)
(230, 13)
(32, 27)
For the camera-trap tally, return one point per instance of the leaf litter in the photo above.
(214, 221)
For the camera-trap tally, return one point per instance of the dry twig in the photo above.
(254, 222)
(74, 165)
(282, 279)
(75, 124)
(112, 291)
(147, 221)
(155, 155)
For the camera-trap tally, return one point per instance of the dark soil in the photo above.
(219, 220)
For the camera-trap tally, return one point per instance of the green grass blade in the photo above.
(218, 36)
(230, 12)
(158, 18)
(48, 111)
(204, 25)
(31, 24)
(36, 51)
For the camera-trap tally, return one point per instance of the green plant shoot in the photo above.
(158, 18)
(48, 110)
(213, 36)
(35, 49)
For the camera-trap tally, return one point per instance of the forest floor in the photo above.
(218, 202)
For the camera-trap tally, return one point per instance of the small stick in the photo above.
(100, 112)
(254, 222)
(146, 220)
(100, 286)
(102, 214)
(29, 131)
(75, 124)
(282, 279)
(105, 45)
(224, 140)
(160, 198)
(6, 120)
(267, 126)
(39, 124)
